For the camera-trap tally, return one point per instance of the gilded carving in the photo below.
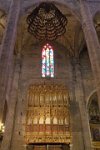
(47, 114)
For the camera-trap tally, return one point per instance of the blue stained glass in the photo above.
(47, 61)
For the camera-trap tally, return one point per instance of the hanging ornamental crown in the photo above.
(46, 22)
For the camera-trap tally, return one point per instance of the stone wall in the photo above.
(87, 76)
(31, 74)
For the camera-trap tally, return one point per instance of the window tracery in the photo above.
(47, 61)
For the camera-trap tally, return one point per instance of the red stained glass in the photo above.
(47, 61)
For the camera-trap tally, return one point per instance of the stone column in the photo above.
(75, 118)
(7, 50)
(9, 126)
(80, 97)
(92, 41)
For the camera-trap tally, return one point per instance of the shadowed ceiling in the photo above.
(72, 40)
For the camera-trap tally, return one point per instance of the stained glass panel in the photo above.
(47, 61)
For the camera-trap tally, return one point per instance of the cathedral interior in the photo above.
(49, 75)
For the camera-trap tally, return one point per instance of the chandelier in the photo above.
(46, 22)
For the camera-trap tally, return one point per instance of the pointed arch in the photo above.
(47, 61)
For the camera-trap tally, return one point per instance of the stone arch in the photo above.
(96, 20)
(97, 13)
(93, 102)
(94, 118)
(66, 8)
(90, 97)
(57, 2)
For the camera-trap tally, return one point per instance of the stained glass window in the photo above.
(47, 61)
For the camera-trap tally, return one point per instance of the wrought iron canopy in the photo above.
(46, 22)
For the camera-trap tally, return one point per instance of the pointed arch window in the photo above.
(47, 61)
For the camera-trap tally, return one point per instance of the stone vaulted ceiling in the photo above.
(72, 40)
(72, 36)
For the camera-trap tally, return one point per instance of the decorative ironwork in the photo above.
(46, 22)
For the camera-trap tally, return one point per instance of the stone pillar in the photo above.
(10, 120)
(92, 41)
(80, 97)
(75, 118)
(7, 50)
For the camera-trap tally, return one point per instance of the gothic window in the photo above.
(94, 115)
(47, 61)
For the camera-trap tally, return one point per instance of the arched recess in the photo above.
(47, 117)
(94, 120)
(96, 21)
